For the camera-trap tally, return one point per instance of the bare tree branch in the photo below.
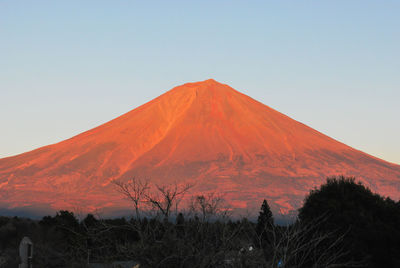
(135, 190)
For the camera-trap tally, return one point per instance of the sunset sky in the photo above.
(68, 66)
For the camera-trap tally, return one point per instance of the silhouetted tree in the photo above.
(265, 219)
(89, 221)
(264, 227)
(372, 223)
(167, 197)
(135, 190)
(67, 220)
(208, 206)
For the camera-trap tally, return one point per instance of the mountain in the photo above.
(205, 133)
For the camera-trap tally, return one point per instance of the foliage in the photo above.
(372, 222)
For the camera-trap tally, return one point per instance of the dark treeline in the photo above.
(341, 224)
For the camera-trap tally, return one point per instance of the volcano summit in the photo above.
(205, 133)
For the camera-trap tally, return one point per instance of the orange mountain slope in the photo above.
(205, 133)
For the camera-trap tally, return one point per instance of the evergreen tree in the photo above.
(265, 223)
(90, 221)
(265, 219)
(180, 225)
(180, 220)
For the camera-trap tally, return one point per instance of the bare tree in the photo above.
(164, 198)
(209, 205)
(304, 245)
(136, 190)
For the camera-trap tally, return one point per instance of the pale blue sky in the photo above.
(68, 66)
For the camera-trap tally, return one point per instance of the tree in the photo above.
(264, 227)
(370, 221)
(165, 198)
(208, 206)
(135, 190)
(89, 221)
(304, 245)
(265, 219)
(66, 220)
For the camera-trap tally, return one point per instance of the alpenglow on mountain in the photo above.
(204, 133)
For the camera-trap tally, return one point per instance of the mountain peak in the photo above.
(210, 80)
(209, 89)
(209, 83)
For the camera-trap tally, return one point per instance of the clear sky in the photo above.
(68, 66)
